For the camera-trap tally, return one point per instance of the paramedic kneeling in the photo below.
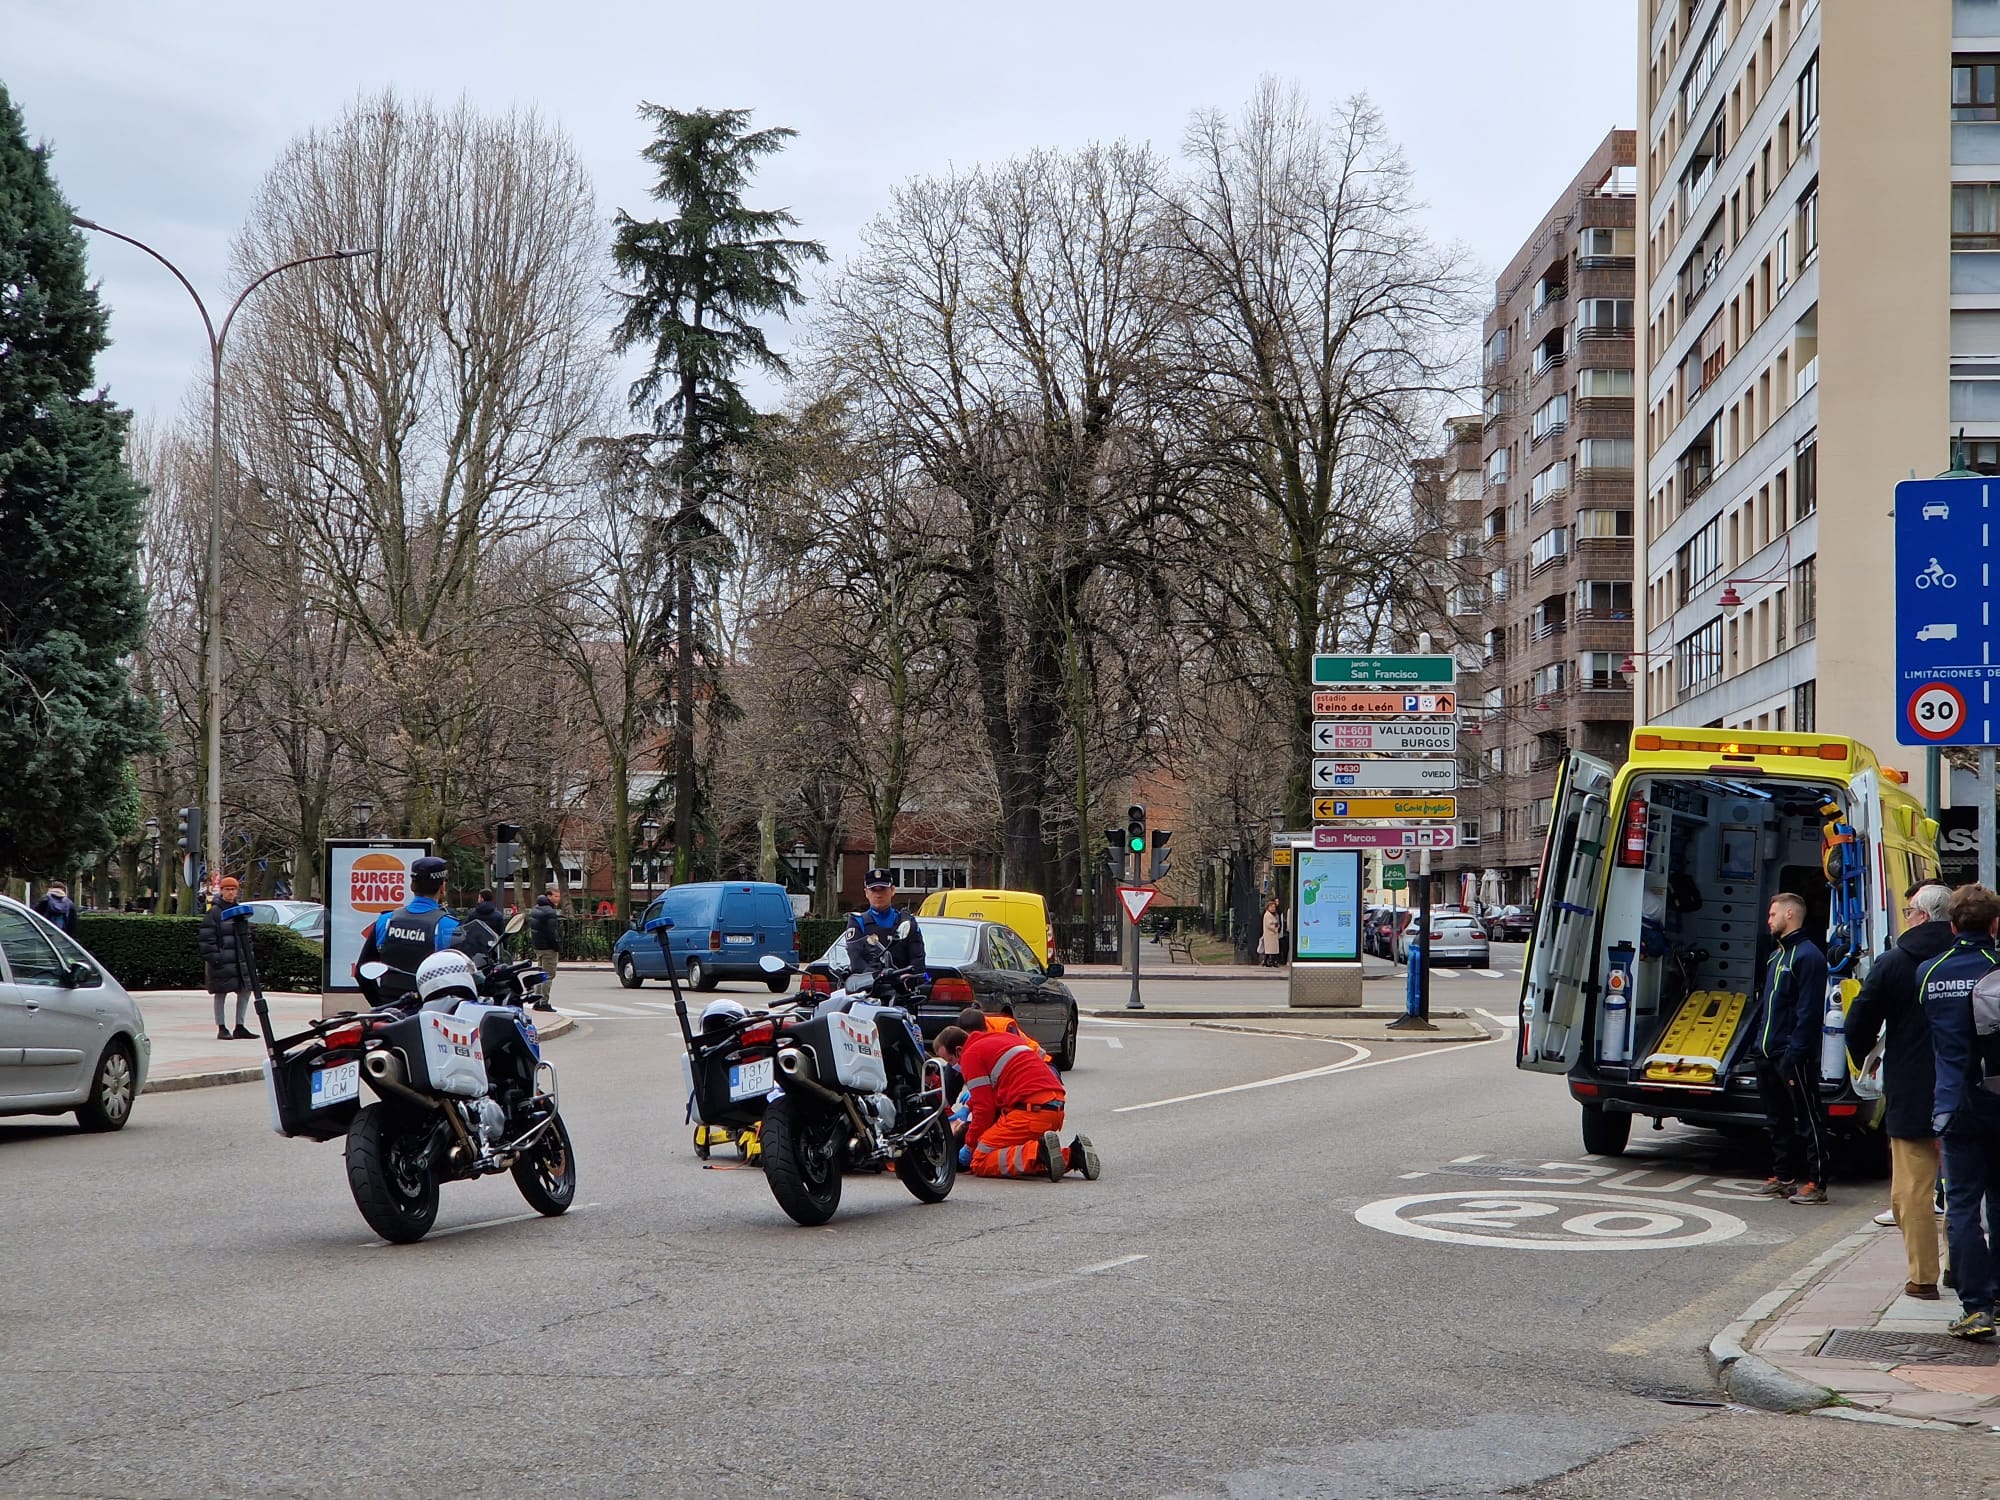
(1787, 1056)
(1958, 992)
(1017, 1108)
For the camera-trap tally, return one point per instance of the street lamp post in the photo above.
(362, 812)
(650, 828)
(212, 603)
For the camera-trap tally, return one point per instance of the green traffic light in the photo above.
(1137, 843)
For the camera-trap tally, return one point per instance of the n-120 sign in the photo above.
(1401, 737)
(1384, 775)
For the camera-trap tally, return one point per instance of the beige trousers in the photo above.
(546, 960)
(1913, 1169)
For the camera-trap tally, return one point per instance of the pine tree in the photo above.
(71, 608)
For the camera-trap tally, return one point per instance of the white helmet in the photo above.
(447, 973)
(718, 1015)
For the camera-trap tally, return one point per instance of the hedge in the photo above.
(163, 953)
(816, 934)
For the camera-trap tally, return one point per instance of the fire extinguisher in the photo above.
(1615, 1035)
(1632, 844)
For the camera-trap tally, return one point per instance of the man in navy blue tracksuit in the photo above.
(1787, 1055)
(1966, 1109)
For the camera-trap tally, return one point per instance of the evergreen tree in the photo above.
(71, 607)
(702, 279)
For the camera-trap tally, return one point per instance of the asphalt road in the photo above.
(193, 1307)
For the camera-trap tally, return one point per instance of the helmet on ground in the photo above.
(447, 973)
(718, 1015)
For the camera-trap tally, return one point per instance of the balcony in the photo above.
(1808, 377)
(1549, 630)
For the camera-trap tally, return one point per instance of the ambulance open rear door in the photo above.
(1557, 979)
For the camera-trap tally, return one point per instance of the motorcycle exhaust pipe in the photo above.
(795, 1065)
(386, 1073)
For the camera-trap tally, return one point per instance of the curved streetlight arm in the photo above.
(304, 260)
(207, 323)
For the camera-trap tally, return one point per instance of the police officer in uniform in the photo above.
(405, 937)
(1965, 1110)
(879, 936)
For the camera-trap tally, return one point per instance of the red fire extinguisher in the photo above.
(1632, 847)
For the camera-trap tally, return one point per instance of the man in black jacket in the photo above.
(1787, 1057)
(1888, 1007)
(545, 937)
(489, 913)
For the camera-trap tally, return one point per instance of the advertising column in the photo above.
(362, 879)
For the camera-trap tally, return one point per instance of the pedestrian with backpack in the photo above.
(1961, 998)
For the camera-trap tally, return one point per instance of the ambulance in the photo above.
(1641, 978)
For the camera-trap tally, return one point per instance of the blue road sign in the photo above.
(1947, 545)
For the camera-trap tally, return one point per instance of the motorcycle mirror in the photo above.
(516, 922)
(770, 963)
(374, 969)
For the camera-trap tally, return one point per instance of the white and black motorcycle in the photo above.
(461, 1089)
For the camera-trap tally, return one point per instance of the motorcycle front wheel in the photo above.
(393, 1187)
(929, 1167)
(802, 1160)
(546, 1172)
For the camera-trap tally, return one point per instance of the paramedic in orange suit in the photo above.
(1017, 1108)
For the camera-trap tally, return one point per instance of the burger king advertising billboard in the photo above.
(364, 878)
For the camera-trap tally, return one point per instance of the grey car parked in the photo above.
(71, 1038)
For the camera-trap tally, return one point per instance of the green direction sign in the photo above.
(1395, 877)
(1384, 671)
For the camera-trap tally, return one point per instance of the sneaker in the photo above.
(1777, 1187)
(222, 1033)
(1053, 1157)
(1923, 1291)
(1809, 1192)
(1083, 1158)
(243, 1034)
(1886, 1218)
(1974, 1325)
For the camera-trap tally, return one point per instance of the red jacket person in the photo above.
(1017, 1108)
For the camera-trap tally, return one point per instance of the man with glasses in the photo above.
(1888, 1007)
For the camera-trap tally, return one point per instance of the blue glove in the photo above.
(965, 1156)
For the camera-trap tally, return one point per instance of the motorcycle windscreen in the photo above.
(1569, 892)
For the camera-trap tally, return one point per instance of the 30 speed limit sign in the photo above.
(1936, 710)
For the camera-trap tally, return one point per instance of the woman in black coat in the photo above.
(223, 959)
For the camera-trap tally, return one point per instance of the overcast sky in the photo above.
(164, 114)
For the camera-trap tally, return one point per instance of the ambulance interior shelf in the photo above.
(1702, 858)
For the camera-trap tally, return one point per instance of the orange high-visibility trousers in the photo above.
(1012, 1144)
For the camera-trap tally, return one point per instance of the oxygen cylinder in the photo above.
(1614, 1034)
(1833, 1040)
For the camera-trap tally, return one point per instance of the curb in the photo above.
(1329, 1012)
(1417, 1039)
(1750, 1378)
(175, 1083)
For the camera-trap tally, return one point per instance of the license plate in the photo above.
(335, 1085)
(747, 1079)
(740, 937)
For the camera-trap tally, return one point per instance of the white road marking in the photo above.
(441, 1234)
(580, 1015)
(1082, 1271)
(1261, 1083)
(1504, 1221)
(1109, 1041)
(1491, 973)
(1508, 1021)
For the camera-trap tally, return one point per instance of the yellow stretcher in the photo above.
(1696, 1042)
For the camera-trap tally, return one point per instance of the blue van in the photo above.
(721, 928)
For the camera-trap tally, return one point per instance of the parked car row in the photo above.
(1383, 928)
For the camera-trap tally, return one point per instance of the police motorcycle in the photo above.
(847, 1087)
(461, 1088)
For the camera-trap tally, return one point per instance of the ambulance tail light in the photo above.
(1632, 842)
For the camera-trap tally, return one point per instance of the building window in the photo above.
(1468, 834)
(1497, 581)
(1809, 98)
(1603, 599)
(1591, 384)
(1496, 348)
(1540, 813)
(1550, 680)
(1699, 562)
(1551, 417)
(1496, 466)
(1603, 525)
(1499, 401)
(1604, 453)
(1600, 669)
(1698, 658)
(1604, 317)
(1550, 546)
(1975, 216)
(1551, 482)
(1805, 708)
(1805, 484)
(1549, 353)
(1805, 594)
(1595, 246)
(1975, 88)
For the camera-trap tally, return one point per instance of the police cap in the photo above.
(879, 880)
(427, 874)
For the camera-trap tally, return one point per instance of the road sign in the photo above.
(1329, 703)
(1281, 856)
(1395, 875)
(1135, 900)
(1384, 671)
(1442, 837)
(1947, 548)
(1384, 775)
(1399, 737)
(1331, 809)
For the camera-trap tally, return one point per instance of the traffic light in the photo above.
(506, 833)
(506, 850)
(187, 830)
(1135, 829)
(1114, 854)
(1163, 856)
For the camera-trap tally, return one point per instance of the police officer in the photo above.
(405, 937)
(1965, 1113)
(879, 936)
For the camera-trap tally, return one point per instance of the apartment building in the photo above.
(1821, 312)
(1555, 512)
(1456, 479)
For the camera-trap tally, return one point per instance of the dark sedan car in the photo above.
(975, 963)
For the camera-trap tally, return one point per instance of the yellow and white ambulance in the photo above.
(1641, 979)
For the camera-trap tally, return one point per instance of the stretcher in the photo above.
(1696, 1043)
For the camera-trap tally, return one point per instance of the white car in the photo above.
(71, 1038)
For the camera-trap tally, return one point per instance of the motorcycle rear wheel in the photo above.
(929, 1167)
(546, 1174)
(802, 1150)
(395, 1191)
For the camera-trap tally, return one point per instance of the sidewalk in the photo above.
(1842, 1337)
(187, 1054)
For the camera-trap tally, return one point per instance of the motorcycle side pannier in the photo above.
(298, 1108)
(846, 1050)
